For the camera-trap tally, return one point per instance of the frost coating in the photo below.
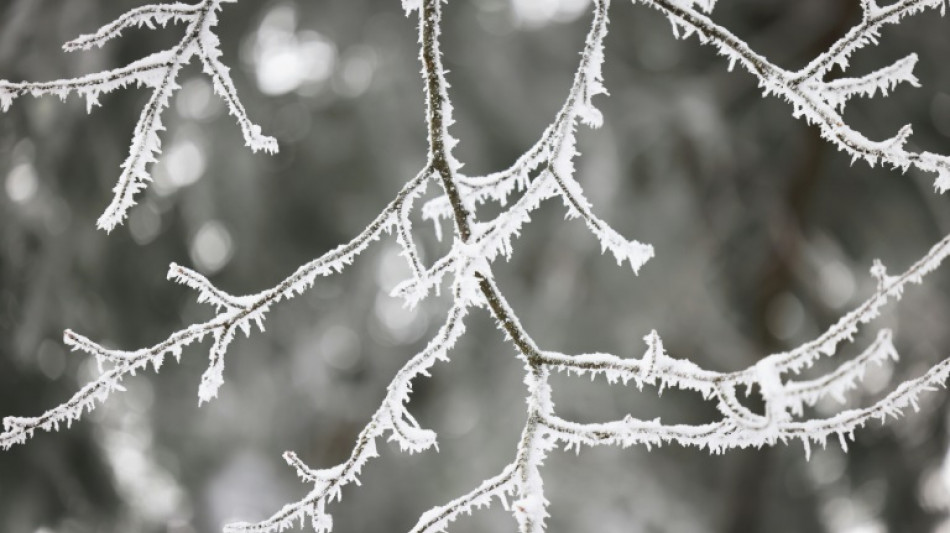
(818, 101)
(544, 171)
(158, 72)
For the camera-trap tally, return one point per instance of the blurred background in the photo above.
(764, 235)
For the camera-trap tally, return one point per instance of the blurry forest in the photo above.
(764, 235)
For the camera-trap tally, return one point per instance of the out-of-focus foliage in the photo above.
(764, 234)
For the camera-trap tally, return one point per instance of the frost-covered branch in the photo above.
(438, 518)
(553, 156)
(736, 431)
(740, 427)
(874, 18)
(234, 313)
(391, 417)
(814, 99)
(838, 92)
(147, 16)
(158, 72)
(469, 260)
(844, 378)
(545, 170)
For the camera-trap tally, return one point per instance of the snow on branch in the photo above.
(819, 101)
(438, 518)
(234, 313)
(844, 378)
(147, 16)
(159, 72)
(553, 155)
(886, 79)
(207, 292)
(544, 171)
(686, 375)
(874, 17)
(328, 483)
(740, 427)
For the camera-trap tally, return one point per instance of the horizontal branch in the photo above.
(146, 16)
(146, 72)
(731, 433)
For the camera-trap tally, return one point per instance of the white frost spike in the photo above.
(942, 183)
(531, 512)
(870, 8)
(158, 71)
(936, 163)
(769, 379)
(897, 142)
(321, 521)
(879, 272)
(213, 377)
(653, 354)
